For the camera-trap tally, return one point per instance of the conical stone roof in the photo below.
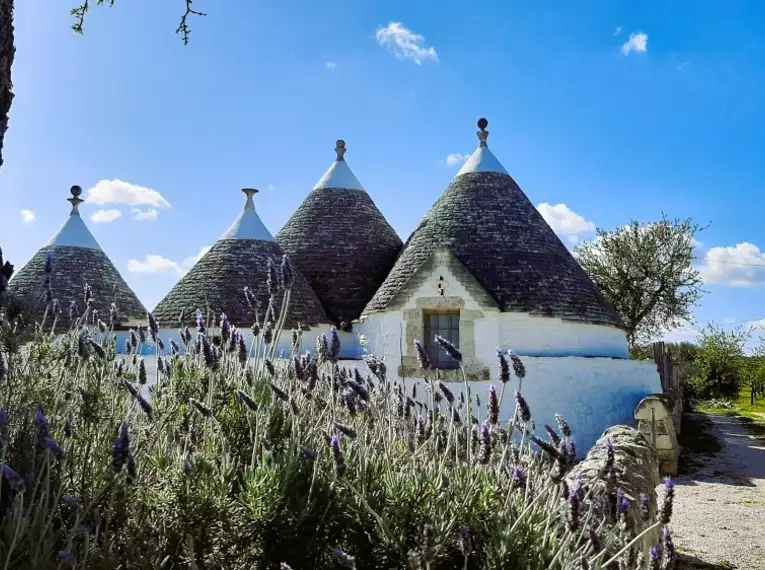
(237, 260)
(341, 242)
(76, 258)
(490, 225)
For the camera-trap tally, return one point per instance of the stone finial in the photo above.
(483, 134)
(250, 192)
(75, 200)
(340, 149)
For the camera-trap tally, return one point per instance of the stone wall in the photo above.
(637, 468)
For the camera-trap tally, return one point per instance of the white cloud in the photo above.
(331, 65)
(685, 333)
(271, 188)
(741, 265)
(456, 158)
(565, 221)
(683, 65)
(618, 30)
(145, 215)
(120, 192)
(191, 260)
(104, 216)
(154, 264)
(28, 216)
(405, 44)
(638, 42)
(159, 264)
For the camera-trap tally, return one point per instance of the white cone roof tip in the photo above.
(482, 160)
(74, 232)
(339, 174)
(248, 224)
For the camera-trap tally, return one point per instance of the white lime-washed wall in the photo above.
(350, 346)
(592, 394)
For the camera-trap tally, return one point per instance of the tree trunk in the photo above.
(7, 51)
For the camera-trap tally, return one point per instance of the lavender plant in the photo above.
(239, 459)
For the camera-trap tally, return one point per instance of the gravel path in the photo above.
(719, 513)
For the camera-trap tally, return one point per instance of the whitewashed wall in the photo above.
(592, 394)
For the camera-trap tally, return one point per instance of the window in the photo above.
(447, 325)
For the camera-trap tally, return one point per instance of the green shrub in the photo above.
(299, 463)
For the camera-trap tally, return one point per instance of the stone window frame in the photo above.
(429, 333)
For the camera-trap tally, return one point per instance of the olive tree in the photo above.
(645, 270)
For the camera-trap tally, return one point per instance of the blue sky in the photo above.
(604, 111)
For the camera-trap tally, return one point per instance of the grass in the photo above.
(752, 416)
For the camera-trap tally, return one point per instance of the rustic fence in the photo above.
(669, 371)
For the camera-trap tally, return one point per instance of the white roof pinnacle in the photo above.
(248, 224)
(74, 232)
(482, 160)
(339, 174)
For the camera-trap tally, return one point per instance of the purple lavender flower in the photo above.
(251, 404)
(448, 394)
(153, 326)
(493, 406)
(307, 453)
(200, 319)
(281, 394)
(174, 348)
(66, 558)
(272, 279)
(142, 376)
(4, 424)
(338, 456)
(645, 511)
(141, 334)
(554, 437)
(347, 431)
(485, 443)
(121, 452)
(669, 494)
(186, 465)
(287, 272)
(113, 314)
(41, 422)
(574, 503)
(225, 328)
(504, 367)
(466, 543)
(571, 450)
(422, 355)
(71, 502)
(519, 477)
(133, 338)
(563, 426)
(609, 451)
(594, 539)
(334, 346)
(14, 480)
(51, 445)
(622, 503)
(449, 348)
(268, 334)
(546, 446)
(344, 559)
(83, 346)
(3, 366)
(518, 368)
(523, 407)
(49, 263)
(654, 556)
